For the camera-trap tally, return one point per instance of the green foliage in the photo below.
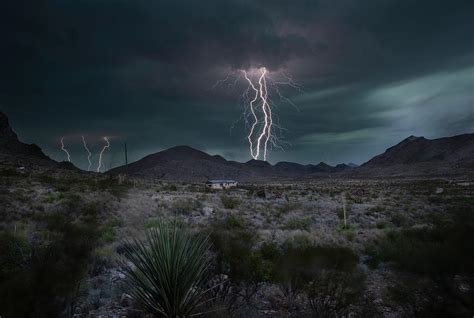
(381, 224)
(343, 227)
(39, 278)
(171, 187)
(331, 292)
(170, 268)
(235, 254)
(108, 234)
(444, 248)
(327, 275)
(438, 253)
(230, 202)
(288, 207)
(152, 222)
(234, 221)
(399, 220)
(185, 206)
(298, 224)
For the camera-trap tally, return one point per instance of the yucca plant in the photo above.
(167, 271)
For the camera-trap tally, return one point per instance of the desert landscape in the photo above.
(390, 247)
(236, 158)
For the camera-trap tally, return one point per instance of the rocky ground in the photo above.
(311, 212)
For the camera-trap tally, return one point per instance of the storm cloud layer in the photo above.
(141, 72)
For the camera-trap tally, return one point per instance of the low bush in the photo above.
(230, 202)
(185, 206)
(40, 277)
(438, 252)
(298, 224)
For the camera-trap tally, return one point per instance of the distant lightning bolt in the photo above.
(89, 154)
(64, 149)
(253, 153)
(102, 152)
(266, 131)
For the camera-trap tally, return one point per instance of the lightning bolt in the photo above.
(102, 152)
(64, 149)
(89, 154)
(253, 153)
(259, 108)
(266, 131)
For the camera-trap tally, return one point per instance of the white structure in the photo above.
(221, 184)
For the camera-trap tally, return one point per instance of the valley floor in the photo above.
(391, 227)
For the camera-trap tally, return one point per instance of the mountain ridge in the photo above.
(412, 156)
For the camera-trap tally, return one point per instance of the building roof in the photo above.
(221, 181)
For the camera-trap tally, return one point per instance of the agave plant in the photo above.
(166, 272)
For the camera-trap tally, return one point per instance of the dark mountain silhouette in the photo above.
(10, 145)
(16, 153)
(414, 156)
(421, 156)
(455, 150)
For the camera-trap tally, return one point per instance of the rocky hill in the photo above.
(15, 153)
(421, 156)
(186, 163)
(414, 156)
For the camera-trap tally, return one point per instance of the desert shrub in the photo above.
(108, 234)
(234, 222)
(152, 222)
(376, 209)
(288, 207)
(381, 224)
(399, 220)
(237, 257)
(10, 173)
(40, 278)
(343, 227)
(170, 269)
(440, 249)
(355, 199)
(170, 187)
(326, 275)
(298, 241)
(230, 202)
(185, 206)
(298, 224)
(340, 212)
(439, 252)
(332, 292)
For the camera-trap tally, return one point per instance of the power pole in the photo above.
(126, 157)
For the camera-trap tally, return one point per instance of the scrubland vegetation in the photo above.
(88, 245)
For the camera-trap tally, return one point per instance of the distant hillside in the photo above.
(186, 163)
(414, 156)
(421, 156)
(14, 152)
(458, 150)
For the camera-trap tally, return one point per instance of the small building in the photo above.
(221, 184)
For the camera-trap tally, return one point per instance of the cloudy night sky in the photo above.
(143, 72)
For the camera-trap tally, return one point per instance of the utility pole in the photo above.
(126, 157)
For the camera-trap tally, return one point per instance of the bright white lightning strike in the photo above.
(102, 152)
(89, 154)
(258, 110)
(64, 149)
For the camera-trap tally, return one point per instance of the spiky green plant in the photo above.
(167, 270)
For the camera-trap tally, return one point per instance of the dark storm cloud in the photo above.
(143, 70)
